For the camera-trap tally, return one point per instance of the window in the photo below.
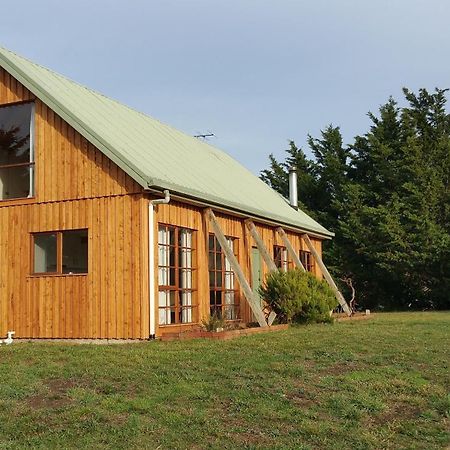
(16, 151)
(175, 275)
(60, 252)
(75, 251)
(223, 294)
(307, 260)
(280, 257)
(45, 253)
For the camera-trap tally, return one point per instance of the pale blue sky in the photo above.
(256, 73)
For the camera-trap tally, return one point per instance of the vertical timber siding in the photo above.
(183, 215)
(76, 186)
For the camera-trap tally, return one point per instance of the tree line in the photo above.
(386, 196)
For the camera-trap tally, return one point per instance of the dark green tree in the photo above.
(320, 184)
(387, 198)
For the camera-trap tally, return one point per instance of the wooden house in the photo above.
(114, 225)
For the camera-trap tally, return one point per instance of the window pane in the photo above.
(215, 311)
(186, 315)
(218, 261)
(171, 240)
(185, 279)
(163, 255)
(185, 257)
(14, 182)
(75, 251)
(229, 280)
(164, 299)
(186, 298)
(185, 238)
(163, 276)
(211, 261)
(171, 256)
(306, 260)
(229, 298)
(163, 234)
(15, 124)
(229, 313)
(45, 253)
(172, 280)
(173, 298)
(163, 317)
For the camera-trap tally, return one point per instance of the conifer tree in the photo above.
(387, 198)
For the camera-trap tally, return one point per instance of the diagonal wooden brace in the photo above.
(248, 293)
(261, 247)
(266, 257)
(327, 275)
(290, 249)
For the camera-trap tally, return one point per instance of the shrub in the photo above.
(298, 296)
(214, 323)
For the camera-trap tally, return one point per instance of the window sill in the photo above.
(178, 325)
(56, 275)
(17, 201)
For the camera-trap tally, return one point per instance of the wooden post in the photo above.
(290, 249)
(248, 293)
(261, 247)
(327, 275)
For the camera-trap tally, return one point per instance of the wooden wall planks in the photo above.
(106, 303)
(78, 187)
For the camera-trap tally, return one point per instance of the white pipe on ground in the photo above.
(151, 258)
(293, 195)
(9, 339)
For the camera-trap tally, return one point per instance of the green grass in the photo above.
(375, 384)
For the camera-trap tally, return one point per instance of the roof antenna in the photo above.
(204, 136)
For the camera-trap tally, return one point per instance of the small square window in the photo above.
(60, 252)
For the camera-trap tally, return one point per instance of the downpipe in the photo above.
(151, 258)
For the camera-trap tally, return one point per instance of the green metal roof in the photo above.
(154, 154)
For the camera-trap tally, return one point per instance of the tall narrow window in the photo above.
(307, 260)
(16, 151)
(45, 253)
(280, 257)
(223, 291)
(75, 251)
(175, 275)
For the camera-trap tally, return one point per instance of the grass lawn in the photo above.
(381, 383)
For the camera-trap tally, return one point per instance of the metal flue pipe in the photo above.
(293, 194)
